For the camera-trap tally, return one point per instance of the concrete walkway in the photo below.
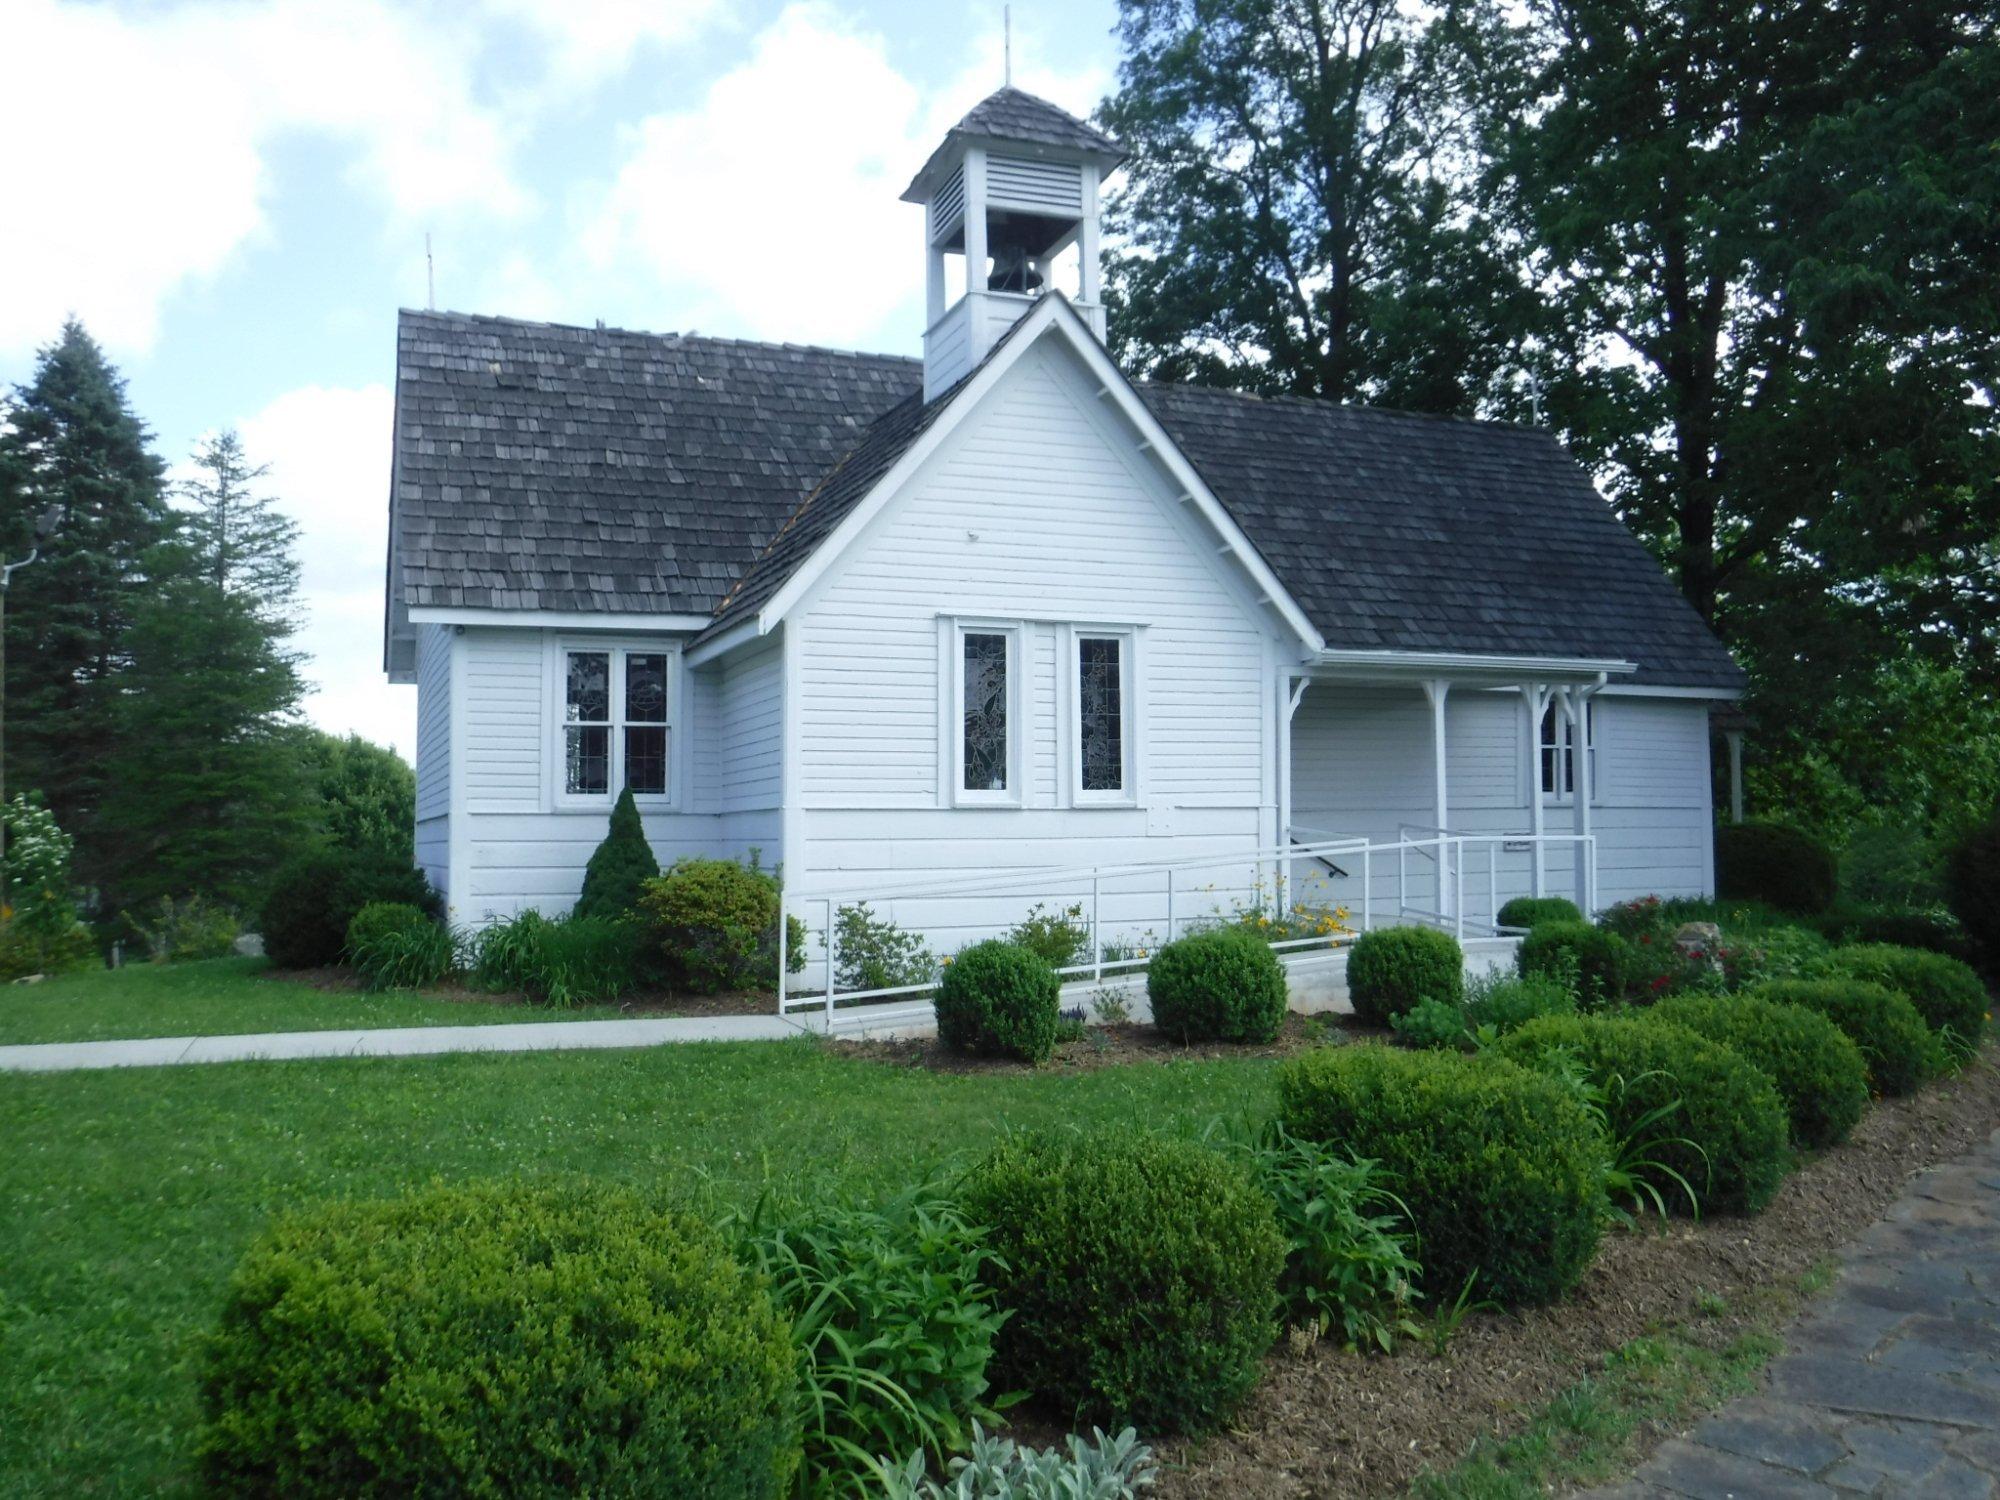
(1891, 1386)
(400, 1041)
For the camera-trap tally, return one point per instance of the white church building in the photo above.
(1002, 625)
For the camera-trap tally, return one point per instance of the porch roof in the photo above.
(1465, 668)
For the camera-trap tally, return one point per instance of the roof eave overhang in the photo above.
(1340, 665)
(957, 142)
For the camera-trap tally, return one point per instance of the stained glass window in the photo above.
(1101, 713)
(646, 722)
(985, 726)
(587, 724)
(1558, 762)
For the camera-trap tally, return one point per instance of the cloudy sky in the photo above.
(233, 195)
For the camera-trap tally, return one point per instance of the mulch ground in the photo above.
(1327, 1423)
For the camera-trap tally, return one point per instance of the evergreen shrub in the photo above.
(1222, 985)
(1947, 994)
(1818, 1071)
(620, 867)
(1902, 1052)
(497, 1339)
(1394, 969)
(1499, 1167)
(999, 1000)
(1139, 1274)
(314, 897)
(1711, 1117)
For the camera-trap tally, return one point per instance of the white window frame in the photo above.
(1128, 712)
(556, 740)
(1557, 714)
(953, 728)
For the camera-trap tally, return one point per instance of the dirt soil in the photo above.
(1102, 1047)
(640, 1003)
(1326, 1423)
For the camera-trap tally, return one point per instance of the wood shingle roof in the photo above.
(599, 470)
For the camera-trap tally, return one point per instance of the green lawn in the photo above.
(126, 1196)
(225, 996)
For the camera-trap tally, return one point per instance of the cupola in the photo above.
(1009, 194)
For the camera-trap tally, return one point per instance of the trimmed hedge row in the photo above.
(1901, 1052)
(1946, 993)
(1498, 1166)
(1775, 864)
(1533, 911)
(1819, 1072)
(1724, 1132)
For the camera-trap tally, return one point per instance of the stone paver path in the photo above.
(1891, 1386)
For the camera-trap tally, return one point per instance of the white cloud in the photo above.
(328, 448)
(772, 206)
(140, 138)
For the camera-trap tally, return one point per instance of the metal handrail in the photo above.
(1045, 880)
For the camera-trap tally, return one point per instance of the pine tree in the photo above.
(622, 863)
(240, 540)
(70, 441)
(208, 790)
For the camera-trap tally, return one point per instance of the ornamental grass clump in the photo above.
(392, 945)
(1499, 1167)
(1902, 1053)
(1222, 985)
(1396, 969)
(999, 1000)
(1139, 1274)
(1816, 1068)
(1946, 993)
(497, 1339)
(1712, 1120)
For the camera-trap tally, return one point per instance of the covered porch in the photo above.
(1462, 781)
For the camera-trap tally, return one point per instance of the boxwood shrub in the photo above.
(1141, 1274)
(1532, 911)
(1500, 1168)
(1902, 1052)
(999, 1000)
(1819, 1072)
(713, 924)
(497, 1339)
(1224, 985)
(1597, 962)
(1394, 969)
(1946, 993)
(1773, 863)
(1725, 1134)
(313, 898)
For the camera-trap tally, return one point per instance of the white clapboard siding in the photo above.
(522, 851)
(738, 729)
(1362, 767)
(1038, 511)
(433, 758)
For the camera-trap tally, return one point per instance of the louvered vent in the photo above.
(948, 205)
(1048, 187)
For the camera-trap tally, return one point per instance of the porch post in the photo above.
(1536, 696)
(1290, 691)
(1576, 707)
(1435, 689)
(1735, 738)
